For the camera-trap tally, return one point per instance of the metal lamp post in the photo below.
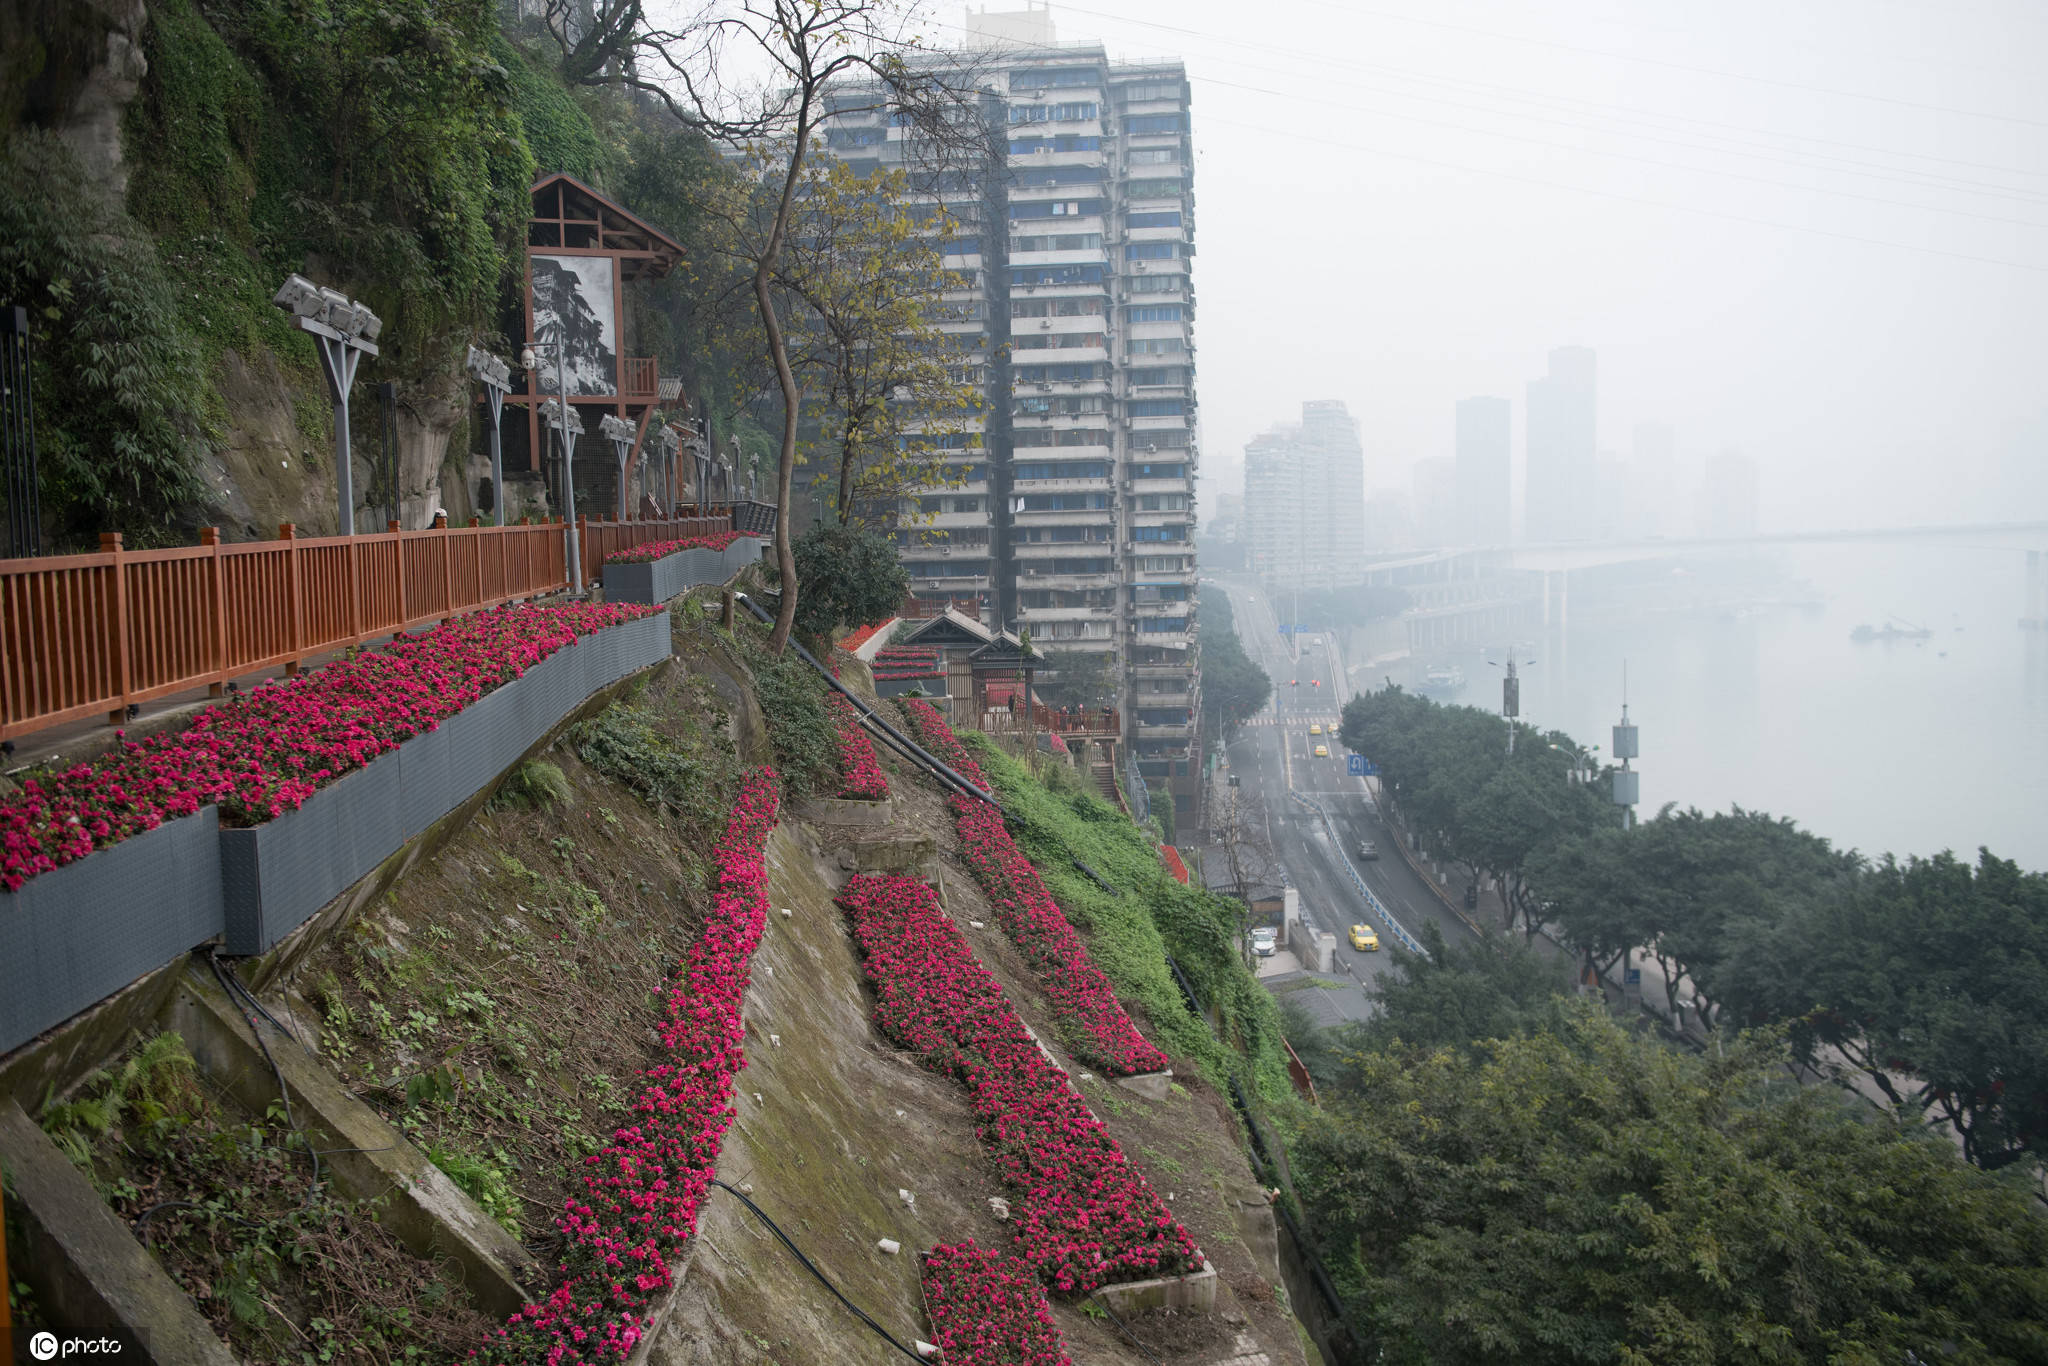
(343, 330)
(620, 433)
(496, 377)
(666, 440)
(565, 420)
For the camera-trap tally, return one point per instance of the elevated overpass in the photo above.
(1450, 601)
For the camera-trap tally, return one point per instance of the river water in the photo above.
(1903, 746)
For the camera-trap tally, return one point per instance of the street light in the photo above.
(496, 377)
(559, 414)
(621, 434)
(343, 330)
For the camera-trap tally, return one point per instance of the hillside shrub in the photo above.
(792, 698)
(687, 774)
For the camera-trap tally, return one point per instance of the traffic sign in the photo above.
(1354, 764)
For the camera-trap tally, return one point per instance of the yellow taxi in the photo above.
(1364, 940)
(1322, 751)
(1315, 728)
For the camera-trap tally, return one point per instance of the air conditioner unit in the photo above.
(1045, 323)
(1141, 267)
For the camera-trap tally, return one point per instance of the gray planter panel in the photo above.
(75, 936)
(424, 794)
(276, 875)
(630, 583)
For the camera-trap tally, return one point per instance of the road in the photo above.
(1275, 753)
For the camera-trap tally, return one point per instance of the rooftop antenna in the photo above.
(1627, 782)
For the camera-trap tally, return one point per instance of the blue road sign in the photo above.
(1354, 765)
(1632, 977)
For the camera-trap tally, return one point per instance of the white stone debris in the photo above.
(977, 924)
(927, 1350)
(999, 1207)
(899, 1114)
(907, 1197)
(890, 1246)
(787, 913)
(775, 1041)
(757, 1097)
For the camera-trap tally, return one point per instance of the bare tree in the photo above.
(809, 46)
(1240, 826)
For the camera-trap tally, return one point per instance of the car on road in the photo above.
(1315, 728)
(1368, 850)
(1322, 751)
(1364, 940)
(1265, 940)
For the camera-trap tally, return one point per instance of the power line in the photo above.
(1237, 46)
(1633, 199)
(1629, 156)
(1678, 66)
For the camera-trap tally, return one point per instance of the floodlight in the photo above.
(368, 323)
(617, 428)
(299, 296)
(335, 309)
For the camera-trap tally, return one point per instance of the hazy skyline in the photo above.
(1386, 216)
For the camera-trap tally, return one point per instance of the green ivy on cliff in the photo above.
(117, 383)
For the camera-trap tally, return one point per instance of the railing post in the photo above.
(447, 566)
(582, 550)
(216, 573)
(110, 544)
(287, 532)
(477, 536)
(398, 554)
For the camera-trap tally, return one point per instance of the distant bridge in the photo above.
(1555, 561)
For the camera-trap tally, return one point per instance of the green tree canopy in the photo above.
(1583, 1194)
(1233, 687)
(849, 575)
(1074, 678)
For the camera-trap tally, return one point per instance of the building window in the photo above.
(1058, 142)
(1160, 374)
(1151, 251)
(1155, 123)
(1154, 90)
(1055, 275)
(1156, 407)
(1060, 374)
(1162, 626)
(1159, 533)
(1158, 284)
(1045, 176)
(1153, 313)
(1153, 189)
(960, 246)
(1055, 308)
(1069, 241)
(1045, 78)
(1155, 156)
(1165, 218)
(1057, 341)
(1064, 469)
(1055, 208)
(967, 505)
(1138, 470)
(1156, 346)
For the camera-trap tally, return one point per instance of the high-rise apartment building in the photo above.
(1728, 496)
(1435, 484)
(1560, 471)
(1652, 481)
(1070, 295)
(1304, 499)
(1485, 504)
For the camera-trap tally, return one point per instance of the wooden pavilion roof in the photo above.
(569, 214)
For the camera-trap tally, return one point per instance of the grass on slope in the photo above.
(1131, 933)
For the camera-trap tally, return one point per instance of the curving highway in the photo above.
(1274, 753)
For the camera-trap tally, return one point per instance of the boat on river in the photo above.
(1444, 680)
(1891, 630)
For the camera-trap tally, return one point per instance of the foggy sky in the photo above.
(1374, 224)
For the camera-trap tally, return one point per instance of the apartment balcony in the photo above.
(1159, 609)
(1030, 576)
(1038, 161)
(957, 584)
(1034, 615)
(1159, 234)
(1183, 668)
(1062, 485)
(1166, 484)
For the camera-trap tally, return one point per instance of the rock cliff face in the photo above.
(72, 66)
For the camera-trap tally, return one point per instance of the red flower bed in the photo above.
(1083, 1216)
(642, 1193)
(987, 1310)
(262, 755)
(899, 662)
(863, 635)
(1100, 1032)
(863, 776)
(655, 550)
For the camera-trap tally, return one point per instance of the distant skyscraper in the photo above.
(1560, 442)
(1484, 501)
(1728, 496)
(1609, 500)
(1304, 499)
(1436, 502)
(1652, 481)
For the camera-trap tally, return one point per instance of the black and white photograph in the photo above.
(580, 289)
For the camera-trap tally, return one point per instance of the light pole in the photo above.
(569, 424)
(496, 377)
(661, 440)
(620, 433)
(343, 330)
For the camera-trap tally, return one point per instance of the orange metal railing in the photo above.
(91, 635)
